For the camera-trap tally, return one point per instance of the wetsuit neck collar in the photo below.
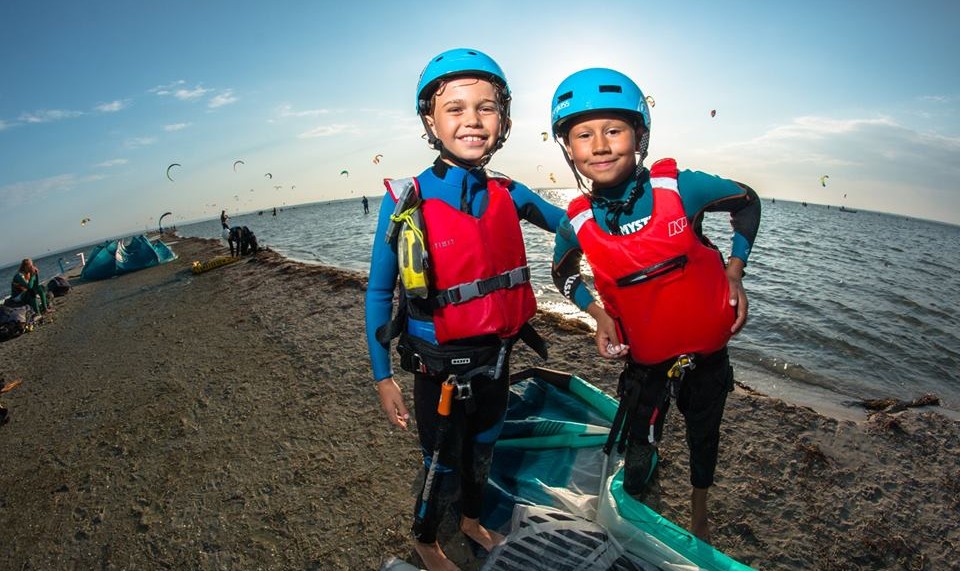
(469, 181)
(621, 198)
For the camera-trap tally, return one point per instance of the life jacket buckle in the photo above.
(465, 292)
(463, 388)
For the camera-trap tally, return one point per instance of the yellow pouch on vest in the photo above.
(412, 259)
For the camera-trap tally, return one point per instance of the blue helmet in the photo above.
(597, 89)
(457, 62)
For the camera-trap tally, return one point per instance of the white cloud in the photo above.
(221, 99)
(48, 115)
(858, 141)
(286, 111)
(20, 192)
(179, 90)
(166, 89)
(190, 94)
(112, 163)
(137, 142)
(113, 106)
(878, 162)
(3, 124)
(324, 131)
(176, 127)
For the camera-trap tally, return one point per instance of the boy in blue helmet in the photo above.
(669, 301)
(452, 235)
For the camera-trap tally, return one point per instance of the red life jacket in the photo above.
(667, 291)
(478, 275)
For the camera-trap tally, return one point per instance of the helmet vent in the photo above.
(611, 89)
(564, 97)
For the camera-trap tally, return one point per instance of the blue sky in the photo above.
(97, 98)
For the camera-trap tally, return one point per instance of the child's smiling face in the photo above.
(466, 118)
(603, 147)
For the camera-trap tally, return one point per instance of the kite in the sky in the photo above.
(376, 159)
(544, 135)
(84, 221)
(268, 175)
(170, 167)
(823, 180)
(345, 172)
(235, 163)
(713, 112)
(650, 101)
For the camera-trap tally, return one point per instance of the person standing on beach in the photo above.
(452, 234)
(669, 302)
(26, 287)
(224, 220)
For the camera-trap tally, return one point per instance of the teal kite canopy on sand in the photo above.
(550, 454)
(113, 258)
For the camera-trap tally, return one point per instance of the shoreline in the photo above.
(759, 376)
(751, 375)
(228, 420)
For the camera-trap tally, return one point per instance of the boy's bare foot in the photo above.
(434, 559)
(486, 538)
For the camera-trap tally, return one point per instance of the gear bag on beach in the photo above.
(13, 321)
(58, 286)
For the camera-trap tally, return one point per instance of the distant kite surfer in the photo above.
(366, 205)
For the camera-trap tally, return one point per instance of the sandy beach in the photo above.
(228, 420)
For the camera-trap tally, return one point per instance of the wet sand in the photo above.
(228, 420)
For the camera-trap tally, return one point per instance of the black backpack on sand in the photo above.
(58, 286)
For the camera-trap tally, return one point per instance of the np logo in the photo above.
(677, 226)
(460, 361)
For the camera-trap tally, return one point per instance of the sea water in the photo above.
(843, 305)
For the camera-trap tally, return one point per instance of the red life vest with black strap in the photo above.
(667, 291)
(478, 276)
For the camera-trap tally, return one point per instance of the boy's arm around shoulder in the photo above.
(534, 208)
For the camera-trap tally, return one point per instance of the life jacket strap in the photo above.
(478, 288)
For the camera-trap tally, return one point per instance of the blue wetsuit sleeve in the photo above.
(534, 208)
(702, 192)
(567, 256)
(381, 282)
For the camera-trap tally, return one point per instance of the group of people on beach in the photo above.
(240, 239)
(668, 300)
